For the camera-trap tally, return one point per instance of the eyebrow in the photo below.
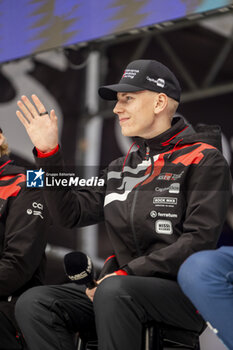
(123, 94)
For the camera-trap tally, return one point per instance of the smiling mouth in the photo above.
(123, 120)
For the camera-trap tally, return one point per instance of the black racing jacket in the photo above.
(165, 200)
(23, 235)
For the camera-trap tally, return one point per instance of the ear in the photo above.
(2, 138)
(161, 101)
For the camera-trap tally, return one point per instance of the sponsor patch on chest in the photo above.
(164, 201)
(163, 227)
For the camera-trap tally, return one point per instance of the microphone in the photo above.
(79, 269)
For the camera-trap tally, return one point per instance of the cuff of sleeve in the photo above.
(127, 269)
(121, 273)
(48, 154)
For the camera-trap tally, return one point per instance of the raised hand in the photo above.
(40, 126)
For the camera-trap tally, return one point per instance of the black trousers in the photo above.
(48, 316)
(9, 339)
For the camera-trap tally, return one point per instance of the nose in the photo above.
(118, 108)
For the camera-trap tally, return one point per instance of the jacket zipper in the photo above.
(147, 152)
(139, 253)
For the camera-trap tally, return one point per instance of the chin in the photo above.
(127, 133)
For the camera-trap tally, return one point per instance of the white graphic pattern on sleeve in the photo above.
(128, 182)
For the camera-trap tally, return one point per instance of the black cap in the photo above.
(144, 75)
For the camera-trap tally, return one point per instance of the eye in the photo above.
(128, 97)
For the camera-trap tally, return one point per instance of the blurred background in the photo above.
(64, 50)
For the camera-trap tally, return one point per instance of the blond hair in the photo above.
(4, 149)
(172, 106)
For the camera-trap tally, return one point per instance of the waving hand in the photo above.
(40, 126)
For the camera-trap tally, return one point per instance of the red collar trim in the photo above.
(5, 164)
(166, 143)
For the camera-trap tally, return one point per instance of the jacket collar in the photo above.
(4, 160)
(7, 167)
(166, 140)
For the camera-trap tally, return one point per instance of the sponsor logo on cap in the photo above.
(130, 73)
(159, 82)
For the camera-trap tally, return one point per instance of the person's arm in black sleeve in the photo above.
(26, 229)
(208, 196)
(69, 208)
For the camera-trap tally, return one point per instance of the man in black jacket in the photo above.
(166, 199)
(23, 232)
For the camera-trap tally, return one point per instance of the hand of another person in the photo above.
(91, 292)
(41, 128)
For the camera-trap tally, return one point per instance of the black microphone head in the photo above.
(79, 268)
